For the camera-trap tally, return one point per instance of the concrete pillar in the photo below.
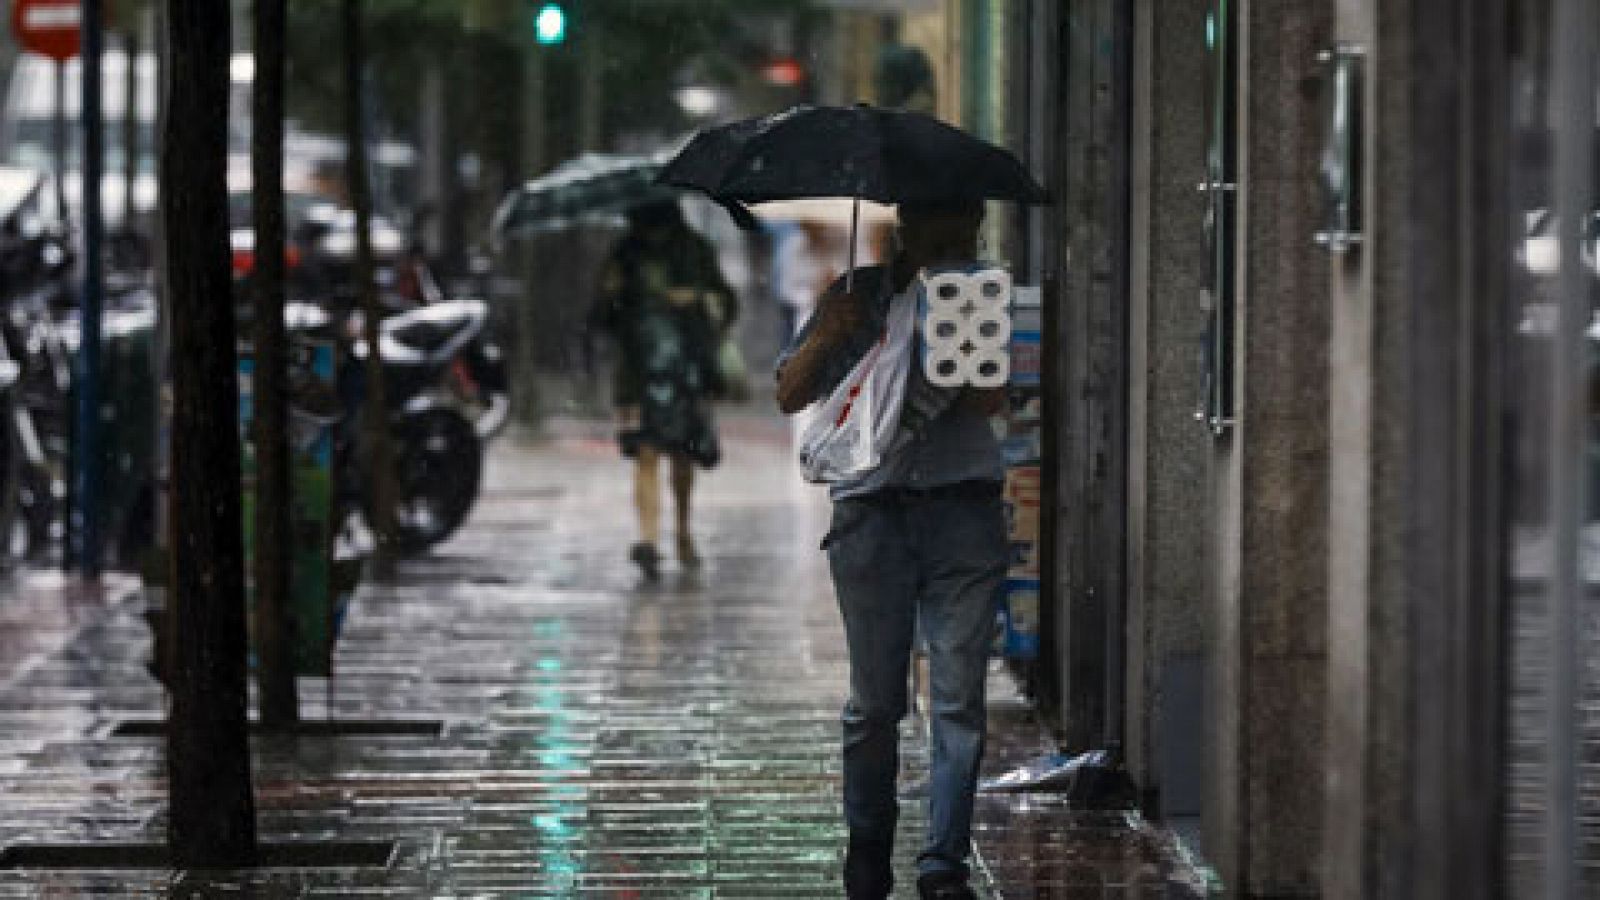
(1354, 628)
(1167, 447)
(1263, 817)
(1420, 341)
(1091, 378)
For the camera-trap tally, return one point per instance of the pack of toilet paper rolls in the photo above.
(966, 327)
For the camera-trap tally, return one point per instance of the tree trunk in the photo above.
(212, 814)
(273, 543)
(375, 442)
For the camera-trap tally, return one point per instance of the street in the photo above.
(600, 736)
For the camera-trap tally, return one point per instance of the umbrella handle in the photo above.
(855, 226)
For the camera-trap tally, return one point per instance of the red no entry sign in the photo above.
(48, 27)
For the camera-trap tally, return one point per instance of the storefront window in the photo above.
(1554, 538)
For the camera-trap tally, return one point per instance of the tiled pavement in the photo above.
(602, 737)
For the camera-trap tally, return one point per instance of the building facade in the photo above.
(1318, 278)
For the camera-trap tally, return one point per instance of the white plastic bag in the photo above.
(857, 424)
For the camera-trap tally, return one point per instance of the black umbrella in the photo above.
(889, 156)
(883, 155)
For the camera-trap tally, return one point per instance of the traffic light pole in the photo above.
(591, 87)
(533, 109)
(86, 477)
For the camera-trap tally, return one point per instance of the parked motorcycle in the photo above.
(38, 342)
(446, 392)
(37, 413)
(446, 389)
(446, 382)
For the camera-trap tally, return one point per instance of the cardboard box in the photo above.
(1022, 499)
(1027, 357)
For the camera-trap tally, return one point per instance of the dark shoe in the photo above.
(645, 557)
(944, 886)
(688, 557)
(628, 441)
(869, 870)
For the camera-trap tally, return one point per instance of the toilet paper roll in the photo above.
(945, 329)
(947, 290)
(945, 369)
(989, 329)
(991, 289)
(986, 371)
(999, 354)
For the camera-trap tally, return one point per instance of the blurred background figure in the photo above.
(665, 303)
(904, 77)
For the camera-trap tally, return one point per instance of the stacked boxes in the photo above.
(1022, 443)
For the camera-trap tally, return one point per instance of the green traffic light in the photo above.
(550, 25)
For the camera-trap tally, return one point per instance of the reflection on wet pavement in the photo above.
(602, 736)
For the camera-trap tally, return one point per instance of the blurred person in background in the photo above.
(664, 301)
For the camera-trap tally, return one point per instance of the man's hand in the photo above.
(838, 316)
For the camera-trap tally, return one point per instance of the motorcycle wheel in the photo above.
(438, 467)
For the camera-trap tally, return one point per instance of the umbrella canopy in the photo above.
(593, 189)
(882, 155)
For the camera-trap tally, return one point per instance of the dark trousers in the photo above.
(901, 559)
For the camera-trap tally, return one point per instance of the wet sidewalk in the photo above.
(601, 737)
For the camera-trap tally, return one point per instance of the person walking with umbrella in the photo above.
(917, 543)
(665, 302)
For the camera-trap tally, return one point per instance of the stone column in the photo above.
(1090, 528)
(1263, 817)
(1167, 447)
(1421, 342)
(1353, 425)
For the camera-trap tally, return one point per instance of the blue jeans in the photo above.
(899, 559)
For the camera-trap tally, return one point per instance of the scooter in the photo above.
(447, 395)
(442, 352)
